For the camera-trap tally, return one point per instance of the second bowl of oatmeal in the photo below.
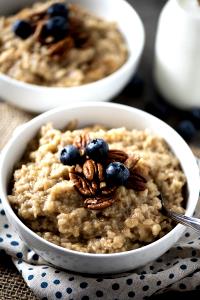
(97, 211)
(87, 50)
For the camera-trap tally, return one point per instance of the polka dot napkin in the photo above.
(178, 269)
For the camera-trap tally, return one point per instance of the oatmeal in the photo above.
(59, 44)
(47, 199)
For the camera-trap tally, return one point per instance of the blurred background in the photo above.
(149, 11)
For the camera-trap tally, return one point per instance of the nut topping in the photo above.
(38, 30)
(117, 155)
(81, 141)
(55, 26)
(96, 180)
(89, 169)
(82, 185)
(132, 161)
(136, 182)
(99, 203)
(61, 47)
(108, 190)
(100, 172)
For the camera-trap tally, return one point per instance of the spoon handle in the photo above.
(185, 220)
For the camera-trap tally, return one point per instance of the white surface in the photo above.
(191, 6)
(177, 55)
(88, 113)
(39, 99)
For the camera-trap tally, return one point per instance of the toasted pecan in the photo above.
(81, 141)
(116, 155)
(82, 185)
(136, 182)
(61, 47)
(89, 169)
(38, 30)
(88, 176)
(132, 161)
(98, 203)
(108, 190)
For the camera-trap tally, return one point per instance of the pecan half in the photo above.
(99, 202)
(81, 141)
(38, 30)
(136, 182)
(132, 161)
(100, 172)
(61, 46)
(89, 169)
(93, 169)
(142, 169)
(108, 190)
(116, 155)
(82, 185)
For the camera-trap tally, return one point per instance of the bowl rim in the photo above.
(132, 58)
(50, 113)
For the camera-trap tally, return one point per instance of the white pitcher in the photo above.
(177, 53)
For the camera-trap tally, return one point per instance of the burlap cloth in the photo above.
(12, 285)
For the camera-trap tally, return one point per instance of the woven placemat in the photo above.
(10, 118)
(12, 285)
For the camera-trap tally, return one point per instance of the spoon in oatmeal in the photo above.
(191, 222)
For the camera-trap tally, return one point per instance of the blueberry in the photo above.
(97, 149)
(58, 9)
(22, 29)
(195, 117)
(57, 27)
(186, 129)
(70, 155)
(117, 173)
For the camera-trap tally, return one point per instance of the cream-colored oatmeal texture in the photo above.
(103, 52)
(47, 202)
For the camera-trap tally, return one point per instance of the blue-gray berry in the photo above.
(97, 149)
(117, 173)
(70, 155)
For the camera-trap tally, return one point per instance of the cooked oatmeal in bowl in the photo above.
(48, 61)
(86, 199)
(59, 44)
(96, 190)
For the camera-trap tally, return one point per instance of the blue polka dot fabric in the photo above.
(178, 269)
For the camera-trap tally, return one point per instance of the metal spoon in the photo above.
(194, 223)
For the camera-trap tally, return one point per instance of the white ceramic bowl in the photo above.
(105, 113)
(39, 99)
